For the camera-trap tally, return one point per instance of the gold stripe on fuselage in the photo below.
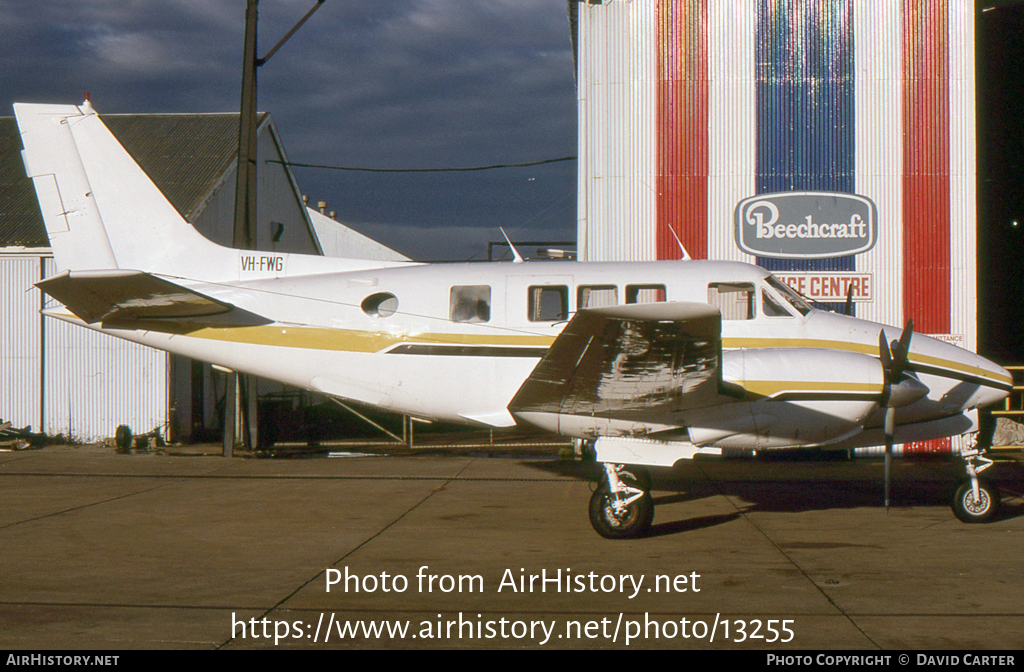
(770, 388)
(352, 340)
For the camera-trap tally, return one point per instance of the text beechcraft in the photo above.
(650, 362)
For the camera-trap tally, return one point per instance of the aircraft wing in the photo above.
(636, 363)
(124, 296)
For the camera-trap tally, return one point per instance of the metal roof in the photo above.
(184, 154)
(20, 221)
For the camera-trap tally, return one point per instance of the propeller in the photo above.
(901, 389)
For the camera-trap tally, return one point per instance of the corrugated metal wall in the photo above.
(962, 174)
(804, 79)
(732, 142)
(64, 379)
(879, 151)
(682, 123)
(617, 86)
(20, 331)
(845, 96)
(827, 96)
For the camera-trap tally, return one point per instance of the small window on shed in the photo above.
(645, 293)
(596, 296)
(549, 303)
(735, 300)
(470, 303)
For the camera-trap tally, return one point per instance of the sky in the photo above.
(368, 83)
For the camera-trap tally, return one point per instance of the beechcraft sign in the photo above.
(805, 225)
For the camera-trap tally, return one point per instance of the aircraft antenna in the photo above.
(516, 257)
(682, 250)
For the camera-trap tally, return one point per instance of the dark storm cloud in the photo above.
(383, 83)
(136, 56)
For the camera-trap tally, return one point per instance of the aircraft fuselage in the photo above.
(455, 342)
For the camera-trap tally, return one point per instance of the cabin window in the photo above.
(771, 307)
(470, 303)
(549, 303)
(382, 304)
(735, 300)
(597, 296)
(645, 293)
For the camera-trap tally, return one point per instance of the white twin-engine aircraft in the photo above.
(649, 363)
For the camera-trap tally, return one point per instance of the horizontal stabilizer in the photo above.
(126, 296)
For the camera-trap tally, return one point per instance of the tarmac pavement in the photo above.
(107, 551)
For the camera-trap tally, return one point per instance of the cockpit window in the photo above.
(771, 307)
(789, 295)
(735, 300)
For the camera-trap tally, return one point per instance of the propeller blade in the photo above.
(890, 431)
(888, 472)
(848, 308)
(908, 332)
(900, 390)
(901, 351)
(884, 354)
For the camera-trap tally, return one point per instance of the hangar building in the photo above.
(830, 141)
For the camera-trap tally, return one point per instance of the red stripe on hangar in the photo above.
(682, 123)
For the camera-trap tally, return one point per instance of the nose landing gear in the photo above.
(975, 501)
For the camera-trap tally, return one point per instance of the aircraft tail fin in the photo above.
(100, 208)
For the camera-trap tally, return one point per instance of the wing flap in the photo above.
(128, 296)
(639, 362)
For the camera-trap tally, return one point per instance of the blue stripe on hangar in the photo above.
(804, 72)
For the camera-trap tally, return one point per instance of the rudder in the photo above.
(70, 213)
(100, 208)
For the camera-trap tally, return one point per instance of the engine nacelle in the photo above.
(793, 397)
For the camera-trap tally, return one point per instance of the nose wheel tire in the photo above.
(976, 510)
(614, 520)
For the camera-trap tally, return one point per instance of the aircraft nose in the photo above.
(986, 382)
(992, 394)
(994, 382)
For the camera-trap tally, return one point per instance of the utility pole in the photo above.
(245, 195)
(244, 231)
(245, 188)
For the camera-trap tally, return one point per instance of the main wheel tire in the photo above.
(633, 522)
(970, 511)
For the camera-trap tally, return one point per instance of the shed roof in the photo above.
(184, 154)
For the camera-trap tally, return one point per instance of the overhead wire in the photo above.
(462, 169)
(423, 170)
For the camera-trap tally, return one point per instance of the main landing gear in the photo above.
(622, 507)
(975, 501)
